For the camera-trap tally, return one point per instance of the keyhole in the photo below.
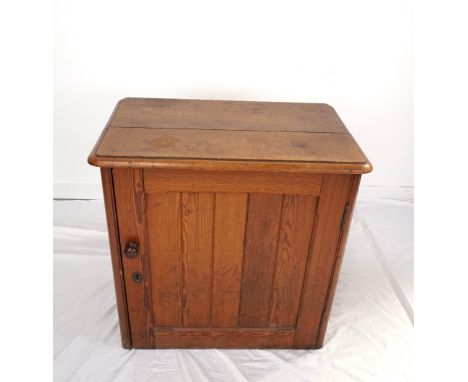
(137, 277)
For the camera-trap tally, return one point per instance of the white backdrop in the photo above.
(356, 56)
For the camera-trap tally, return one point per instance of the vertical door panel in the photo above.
(164, 244)
(295, 233)
(197, 255)
(228, 252)
(261, 241)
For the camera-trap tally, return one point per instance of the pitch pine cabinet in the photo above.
(227, 220)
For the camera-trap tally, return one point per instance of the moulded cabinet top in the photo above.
(237, 135)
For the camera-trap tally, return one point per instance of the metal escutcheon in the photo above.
(137, 277)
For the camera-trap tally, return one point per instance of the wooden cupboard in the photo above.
(227, 220)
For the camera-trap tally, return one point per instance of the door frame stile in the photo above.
(117, 266)
(323, 250)
(342, 240)
(146, 258)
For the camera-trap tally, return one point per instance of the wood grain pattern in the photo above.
(117, 267)
(295, 234)
(197, 254)
(230, 165)
(232, 181)
(228, 251)
(224, 339)
(261, 242)
(164, 243)
(228, 135)
(227, 115)
(338, 258)
(229, 145)
(237, 208)
(332, 201)
(131, 221)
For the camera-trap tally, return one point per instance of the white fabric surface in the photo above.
(369, 336)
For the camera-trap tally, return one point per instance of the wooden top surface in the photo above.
(237, 135)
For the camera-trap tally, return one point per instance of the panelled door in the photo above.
(228, 259)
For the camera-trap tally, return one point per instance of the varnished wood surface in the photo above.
(227, 115)
(219, 263)
(227, 259)
(261, 241)
(117, 267)
(165, 245)
(238, 212)
(224, 338)
(232, 181)
(228, 135)
(322, 257)
(228, 145)
(197, 252)
(228, 256)
(338, 259)
(129, 199)
(297, 222)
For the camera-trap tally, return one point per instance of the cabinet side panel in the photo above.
(339, 258)
(119, 284)
(197, 258)
(332, 201)
(294, 239)
(164, 245)
(261, 242)
(228, 252)
(130, 203)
